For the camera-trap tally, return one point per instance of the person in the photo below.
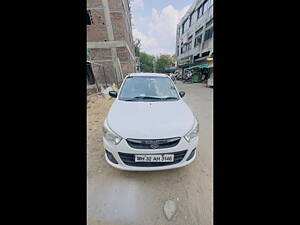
(205, 74)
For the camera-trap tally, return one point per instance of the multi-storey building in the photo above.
(110, 49)
(194, 37)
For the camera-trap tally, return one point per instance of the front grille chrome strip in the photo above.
(153, 143)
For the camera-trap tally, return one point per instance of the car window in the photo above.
(148, 88)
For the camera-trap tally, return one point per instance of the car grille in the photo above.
(153, 143)
(128, 159)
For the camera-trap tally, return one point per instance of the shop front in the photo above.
(184, 63)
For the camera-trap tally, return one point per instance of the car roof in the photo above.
(147, 74)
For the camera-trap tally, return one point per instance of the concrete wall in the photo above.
(204, 46)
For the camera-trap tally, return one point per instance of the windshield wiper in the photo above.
(147, 97)
(166, 98)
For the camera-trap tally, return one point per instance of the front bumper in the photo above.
(123, 147)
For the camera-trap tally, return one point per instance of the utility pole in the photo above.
(154, 64)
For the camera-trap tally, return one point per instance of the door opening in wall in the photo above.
(90, 74)
(89, 20)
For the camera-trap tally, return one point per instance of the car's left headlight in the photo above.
(193, 132)
(111, 136)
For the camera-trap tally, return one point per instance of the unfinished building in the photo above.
(110, 49)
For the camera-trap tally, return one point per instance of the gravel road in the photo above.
(139, 198)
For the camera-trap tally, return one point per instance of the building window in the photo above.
(198, 37)
(209, 23)
(196, 57)
(186, 46)
(199, 31)
(207, 4)
(198, 40)
(208, 34)
(189, 43)
(205, 54)
(199, 11)
(183, 25)
(89, 20)
(192, 18)
(183, 49)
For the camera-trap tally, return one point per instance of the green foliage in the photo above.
(163, 62)
(146, 62)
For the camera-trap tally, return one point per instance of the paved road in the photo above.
(137, 198)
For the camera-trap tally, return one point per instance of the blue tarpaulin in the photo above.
(197, 67)
(170, 70)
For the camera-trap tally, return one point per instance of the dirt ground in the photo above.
(137, 198)
(97, 109)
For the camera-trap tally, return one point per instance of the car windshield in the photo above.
(148, 88)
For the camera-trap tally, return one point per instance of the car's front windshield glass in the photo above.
(148, 88)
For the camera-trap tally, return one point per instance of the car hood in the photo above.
(150, 120)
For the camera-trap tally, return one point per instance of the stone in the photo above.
(169, 209)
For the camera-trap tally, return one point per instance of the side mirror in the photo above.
(113, 94)
(182, 93)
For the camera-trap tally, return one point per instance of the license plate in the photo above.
(155, 158)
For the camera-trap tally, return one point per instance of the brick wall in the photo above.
(108, 76)
(119, 27)
(123, 54)
(97, 32)
(115, 5)
(100, 54)
(127, 68)
(94, 3)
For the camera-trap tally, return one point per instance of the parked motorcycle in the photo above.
(178, 76)
(173, 77)
(188, 78)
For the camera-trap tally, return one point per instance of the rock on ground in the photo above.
(169, 209)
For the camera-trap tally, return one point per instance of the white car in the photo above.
(149, 126)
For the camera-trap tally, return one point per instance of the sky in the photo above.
(154, 22)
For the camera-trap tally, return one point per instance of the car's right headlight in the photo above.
(193, 132)
(111, 136)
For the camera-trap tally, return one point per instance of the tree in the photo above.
(137, 47)
(163, 62)
(146, 62)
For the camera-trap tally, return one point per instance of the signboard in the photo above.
(184, 61)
